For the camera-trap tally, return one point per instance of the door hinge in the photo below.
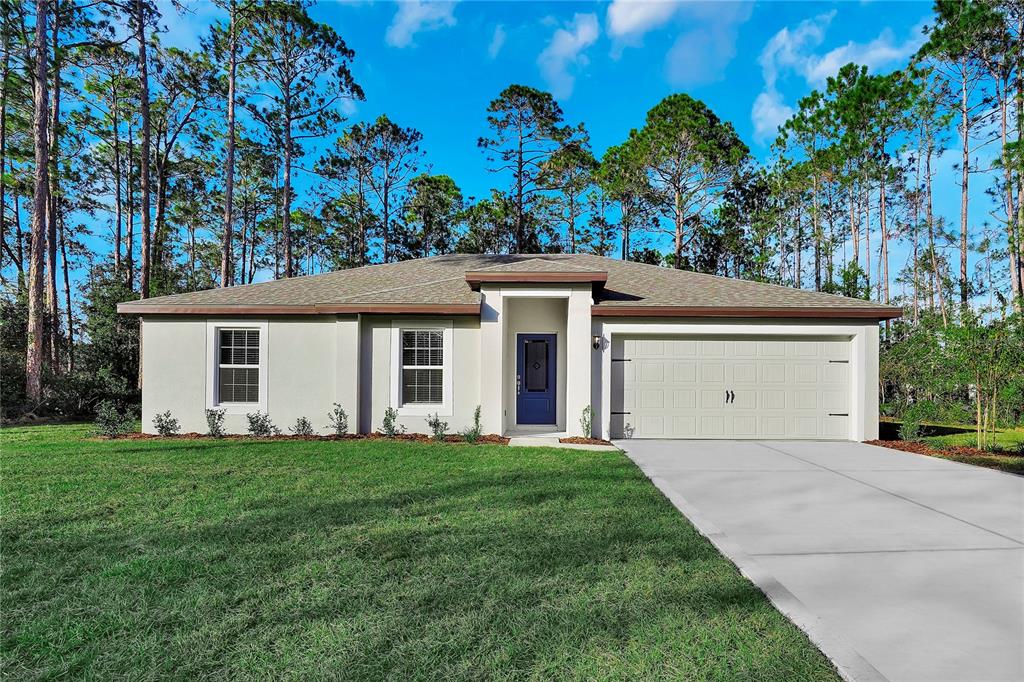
(621, 360)
(839, 414)
(838, 362)
(614, 412)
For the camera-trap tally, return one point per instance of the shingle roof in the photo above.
(631, 288)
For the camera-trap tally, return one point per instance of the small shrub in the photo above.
(587, 421)
(215, 423)
(112, 422)
(390, 427)
(260, 425)
(472, 434)
(910, 430)
(437, 426)
(165, 424)
(302, 427)
(338, 420)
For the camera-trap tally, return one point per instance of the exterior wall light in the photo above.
(597, 342)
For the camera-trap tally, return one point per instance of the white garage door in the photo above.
(730, 387)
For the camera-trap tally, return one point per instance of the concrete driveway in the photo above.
(898, 566)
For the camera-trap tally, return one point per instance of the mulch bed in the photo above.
(489, 439)
(924, 449)
(580, 440)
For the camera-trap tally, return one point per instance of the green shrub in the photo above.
(215, 423)
(437, 426)
(910, 430)
(302, 427)
(113, 422)
(472, 433)
(338, 420)
(390, 427)
(587, 421)
(260, 425)
(165, 424)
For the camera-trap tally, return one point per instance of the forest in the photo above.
(130, 169)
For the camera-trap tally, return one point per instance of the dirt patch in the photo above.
(580, 440)
(489, 439)
(950, 451)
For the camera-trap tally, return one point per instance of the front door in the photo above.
(535, 379)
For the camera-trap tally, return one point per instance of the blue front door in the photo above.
(535, 379)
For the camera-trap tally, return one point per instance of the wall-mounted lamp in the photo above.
(597, 342)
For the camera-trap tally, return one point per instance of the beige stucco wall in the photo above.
(535, 316)
(376, 361)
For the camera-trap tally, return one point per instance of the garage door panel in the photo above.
(731, 388)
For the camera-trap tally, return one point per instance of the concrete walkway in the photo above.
(899, 566)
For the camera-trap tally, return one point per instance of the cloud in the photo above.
(565, 51)
(792, 51)
(700, 55)
(497, 41)
(769, 113)
(629, 20)
(415, 16)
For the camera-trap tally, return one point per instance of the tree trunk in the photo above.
(52, 207)
(36, 327)
(964, 179)
(930, 219)
(286, 198)
(226, 250)
(129, 247)
(117, 182)
(67, 297)
(679, 232)
(816, 227)
(245, 241)
(884, 249)
(144, 149)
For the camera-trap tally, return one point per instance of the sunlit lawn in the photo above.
(1011, 441)
(364, 560)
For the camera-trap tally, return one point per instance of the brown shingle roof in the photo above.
(440, 282)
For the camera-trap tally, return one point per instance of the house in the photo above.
(532, 339)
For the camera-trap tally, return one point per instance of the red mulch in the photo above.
(580, 440)
(923, 449)
(489, 439)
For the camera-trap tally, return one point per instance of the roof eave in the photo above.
(137, 308)
(871, 313)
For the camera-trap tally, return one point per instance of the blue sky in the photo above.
(436, 65)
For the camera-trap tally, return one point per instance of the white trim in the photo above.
(212, 365)
(858, 356)
(444, 408)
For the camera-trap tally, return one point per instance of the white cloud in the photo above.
(793, 51)
(566, 51)
(414, 16)
(629, 20)
(700, 55)
(497, 41)
(768, 114)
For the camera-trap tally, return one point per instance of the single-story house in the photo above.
(534, 340)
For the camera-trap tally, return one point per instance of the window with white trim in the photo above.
(422, 366)
(238, 365)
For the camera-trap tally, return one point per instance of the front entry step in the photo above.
(550, 442)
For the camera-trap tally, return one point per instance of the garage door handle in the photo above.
(730, 397)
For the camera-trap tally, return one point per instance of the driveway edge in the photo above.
(848, 662)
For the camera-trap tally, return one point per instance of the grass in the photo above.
(1005, 439)
(364, 560)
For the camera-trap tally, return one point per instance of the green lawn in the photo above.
(364, 560)
(1007, 439)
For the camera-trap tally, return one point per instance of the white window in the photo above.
(237, 356)
(421, 367)
(238, 366)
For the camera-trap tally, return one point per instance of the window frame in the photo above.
(213, 330)
(444, 408)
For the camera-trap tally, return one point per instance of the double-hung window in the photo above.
(237, 371)
(238, 366)
(422, 366)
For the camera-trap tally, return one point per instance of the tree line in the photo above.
(133, 169)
